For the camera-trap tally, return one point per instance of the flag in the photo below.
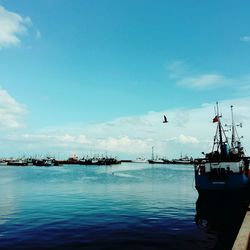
(216, 119)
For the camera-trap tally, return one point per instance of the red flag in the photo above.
(216, 119)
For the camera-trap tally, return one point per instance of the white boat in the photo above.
(3, 163)
(140, 160)
(183, 160)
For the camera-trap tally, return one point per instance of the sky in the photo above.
(92, 77)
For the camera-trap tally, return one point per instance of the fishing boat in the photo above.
(156, 160)
(19, 162)
(99, 161)
(225, 170)
(183, 160)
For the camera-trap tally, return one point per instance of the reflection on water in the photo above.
(220, 216)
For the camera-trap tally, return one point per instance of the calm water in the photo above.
(127, 206)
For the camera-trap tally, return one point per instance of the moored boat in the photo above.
(99, 161)
(140, 160)
(226, 168)
(3, 163)
(158, 161)
(17, 163)
(183, 160)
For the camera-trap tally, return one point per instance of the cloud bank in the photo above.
(189, 132)
(12, 27)
(185, 76)
(11, 112)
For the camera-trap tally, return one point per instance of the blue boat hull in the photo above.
(234, 181)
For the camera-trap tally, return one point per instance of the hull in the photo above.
(156, 162)
(236, 194)
(234, 181)
(181, 162)
(18, 163)
(3, 163)
(223, 185)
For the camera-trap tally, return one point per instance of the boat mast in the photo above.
(220, 129)
(233, 129)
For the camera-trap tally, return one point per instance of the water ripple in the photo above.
(129, 206)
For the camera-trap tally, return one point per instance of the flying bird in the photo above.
(165, 119)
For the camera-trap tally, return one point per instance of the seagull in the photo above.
(165, 119)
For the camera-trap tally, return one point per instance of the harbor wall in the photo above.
(242, 241)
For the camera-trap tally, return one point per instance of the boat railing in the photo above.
(199, 166)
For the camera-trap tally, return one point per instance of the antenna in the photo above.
(233, 127)
(239, 125)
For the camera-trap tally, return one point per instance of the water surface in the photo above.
(127, 206)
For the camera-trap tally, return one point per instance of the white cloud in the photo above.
(82, 139)
(243, 85)
(245, 38)
(12, 27)
(55, 139)
(185, 76)
(177, 69)
(188, 139)
(122, 144)
(38, 34)
(11, 112)
(204, 81)
(78, 139)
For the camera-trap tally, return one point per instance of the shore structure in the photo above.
(242, 241)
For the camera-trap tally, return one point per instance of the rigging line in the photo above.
(224, 133)
(215, 138)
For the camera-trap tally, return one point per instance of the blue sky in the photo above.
(97, 76)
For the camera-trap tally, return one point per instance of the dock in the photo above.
(242, 241)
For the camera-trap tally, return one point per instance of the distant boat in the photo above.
(88, 162)
(182, 160)
(226, 168)
(73, 160)
(99, 161)
(17, 163)
(157, 161)
(140, 160)
(3, 163)
(46, 162)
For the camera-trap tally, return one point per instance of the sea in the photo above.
(125, 206)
